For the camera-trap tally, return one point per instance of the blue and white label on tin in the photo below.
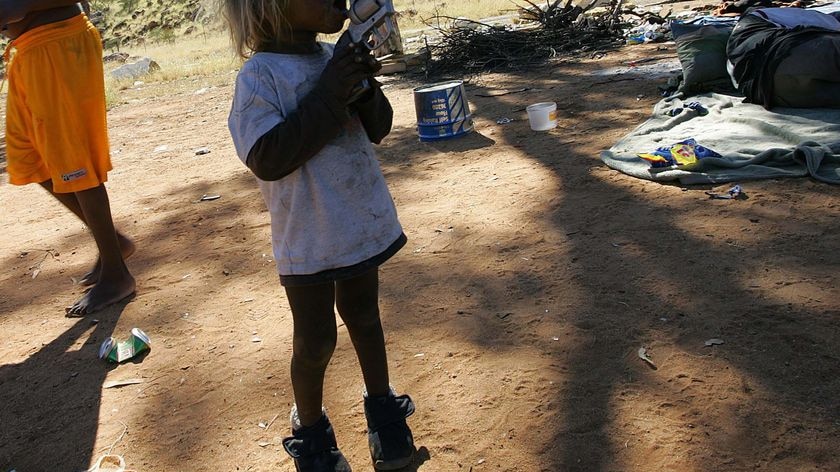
(442, 111)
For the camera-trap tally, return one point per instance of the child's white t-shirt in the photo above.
(334, 211)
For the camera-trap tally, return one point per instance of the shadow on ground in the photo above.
(52, 399)
(650, 282)
(618, 263)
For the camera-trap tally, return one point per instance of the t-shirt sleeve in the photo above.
(256, 108)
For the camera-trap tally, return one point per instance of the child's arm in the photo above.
(12, 11)
(375, 112)
(319, 118)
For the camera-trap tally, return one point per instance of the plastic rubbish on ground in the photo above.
(731, 194)
(647, 33)
(119, 351)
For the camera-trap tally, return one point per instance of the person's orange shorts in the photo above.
(56, 125)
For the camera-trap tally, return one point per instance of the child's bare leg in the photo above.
(357, 300)
(313, 345)
(70, 201)
(115, 282)
(127, 248)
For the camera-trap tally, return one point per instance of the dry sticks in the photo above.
(557, 28)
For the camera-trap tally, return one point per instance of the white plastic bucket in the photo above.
(542, 116)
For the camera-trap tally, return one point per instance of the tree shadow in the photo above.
(52, 399)
(470, 142)
(626, 253)
(616, 266)
(54, 396)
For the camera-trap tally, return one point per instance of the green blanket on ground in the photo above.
(755, 143)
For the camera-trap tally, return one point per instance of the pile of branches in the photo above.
(558, 28)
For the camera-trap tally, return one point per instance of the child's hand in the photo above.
(350, 64)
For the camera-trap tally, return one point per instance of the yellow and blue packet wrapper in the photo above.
(683, 154)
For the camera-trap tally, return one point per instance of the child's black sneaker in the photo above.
(390, 440)
(314, 448)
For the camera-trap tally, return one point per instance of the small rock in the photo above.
(135, 70)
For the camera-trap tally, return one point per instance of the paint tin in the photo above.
(442, 111)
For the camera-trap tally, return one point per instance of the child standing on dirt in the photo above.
(333, 221)
(56, 131)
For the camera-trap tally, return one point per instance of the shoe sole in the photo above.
(394, 464)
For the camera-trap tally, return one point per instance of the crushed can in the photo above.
(118, 351)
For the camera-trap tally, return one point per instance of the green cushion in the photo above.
(702, 54)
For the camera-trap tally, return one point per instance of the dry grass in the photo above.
(208, 55)
(414, 12)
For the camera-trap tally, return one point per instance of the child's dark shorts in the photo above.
(344, 273)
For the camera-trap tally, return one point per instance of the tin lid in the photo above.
(440, 86)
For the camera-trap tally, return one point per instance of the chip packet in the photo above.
(682, 154)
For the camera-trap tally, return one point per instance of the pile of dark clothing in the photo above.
(787, 57)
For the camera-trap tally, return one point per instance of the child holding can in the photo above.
(333, 221)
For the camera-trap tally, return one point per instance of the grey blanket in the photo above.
(755, 143)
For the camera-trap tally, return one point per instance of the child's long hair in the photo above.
(254, 24)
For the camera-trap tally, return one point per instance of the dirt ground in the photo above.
(514, 316)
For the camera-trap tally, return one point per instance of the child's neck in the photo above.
(296, 42)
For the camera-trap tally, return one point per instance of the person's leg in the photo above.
(70, 201)
(115, 282)
(313, 344)
(357, 300)
(390, 440)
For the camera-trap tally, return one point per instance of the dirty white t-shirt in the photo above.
(335, 210)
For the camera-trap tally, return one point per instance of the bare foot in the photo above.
(105, 293)
(127, 248)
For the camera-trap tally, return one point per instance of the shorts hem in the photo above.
(61, 187)
(343, 273)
